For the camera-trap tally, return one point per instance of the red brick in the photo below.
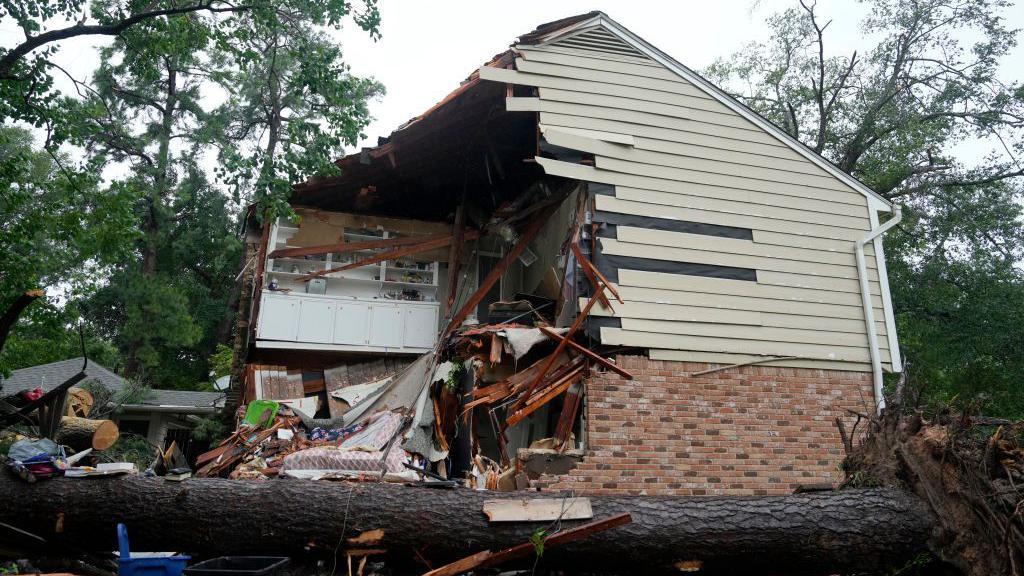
(752, 430)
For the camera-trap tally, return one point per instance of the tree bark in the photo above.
(82, 433)
(13, 312)
(818, 533)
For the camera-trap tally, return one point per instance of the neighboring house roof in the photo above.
(49, 376)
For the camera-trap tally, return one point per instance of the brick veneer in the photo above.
(753, 430)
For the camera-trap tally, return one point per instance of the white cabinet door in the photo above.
(420, 326)
(316, 321)
(352, 323)
(386, 325)
(278, 317)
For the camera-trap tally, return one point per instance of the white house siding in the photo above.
(669, 149)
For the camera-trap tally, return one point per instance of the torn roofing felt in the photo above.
(467, 142)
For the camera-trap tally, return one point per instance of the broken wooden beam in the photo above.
(537, 509)
(591, 277)
(588, 353)
(455, 254)
(487, 559)
(561, 347)
(347, 247)
(401, 252)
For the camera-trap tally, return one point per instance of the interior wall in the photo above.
(538, 277)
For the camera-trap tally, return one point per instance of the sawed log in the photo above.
(856, 530)
(82, 433)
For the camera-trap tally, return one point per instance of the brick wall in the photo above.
(753, 430)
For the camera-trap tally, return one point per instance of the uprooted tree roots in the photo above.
(970, 471)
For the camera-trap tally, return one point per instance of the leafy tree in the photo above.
(27, 68)
(897, 117)
(60, 230)
(164, 297)
(292, 105)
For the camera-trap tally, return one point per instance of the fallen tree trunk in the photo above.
(82, 433)
(818, 533)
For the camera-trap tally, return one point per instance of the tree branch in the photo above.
(12, 56)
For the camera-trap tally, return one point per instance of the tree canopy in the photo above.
(119, 209)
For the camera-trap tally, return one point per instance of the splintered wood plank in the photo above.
(459, 566)
(591, 277)
(487, 558)
(561, 347)
(420, 247)
(588, 353)
(346, 247)
(538, 509)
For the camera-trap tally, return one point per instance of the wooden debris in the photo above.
(487, 558)
(561, 346)
(573, 398)
(455, 254)
(589, 273)
(349, 247)
(588, 353)
(538, 509)
(368, 538)
(422, 246)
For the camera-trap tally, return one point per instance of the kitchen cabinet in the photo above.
(315, 323)
(279, 318)
(386, 324)
(420, 326)
(323, 322)
(352, 323)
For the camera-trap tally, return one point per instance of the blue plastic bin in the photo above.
(148, 566)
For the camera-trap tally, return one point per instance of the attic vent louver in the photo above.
(600, 40)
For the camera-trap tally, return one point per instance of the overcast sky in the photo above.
(428, 47)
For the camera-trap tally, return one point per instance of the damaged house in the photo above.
(586, 268)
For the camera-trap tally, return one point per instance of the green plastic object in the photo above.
(257, 408)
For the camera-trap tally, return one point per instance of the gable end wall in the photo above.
(665, 148)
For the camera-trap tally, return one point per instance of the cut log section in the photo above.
(82, 433)
(857, 530)
(79, 403)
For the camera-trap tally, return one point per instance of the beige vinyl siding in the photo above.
(572, 51)
(710, 309)
(696, 121)
(725, 359)
(760, 333)
(683, 295)
(666, 134)
(673, 151)
(707, 243)
(712, 166)
(781, 209)
(623, 337)
(672, 212)
(724, 286)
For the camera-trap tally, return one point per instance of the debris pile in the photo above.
(458, 421)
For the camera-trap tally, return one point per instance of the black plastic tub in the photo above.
(239, 566)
